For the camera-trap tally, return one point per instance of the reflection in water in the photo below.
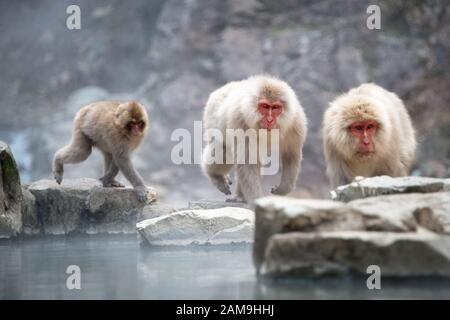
(116, 267)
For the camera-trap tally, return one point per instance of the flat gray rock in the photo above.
(215, 204)
(156, 209)
(83, 206)
(384, 185)
(212, 226)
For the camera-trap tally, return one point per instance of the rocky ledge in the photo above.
(403, 234)
(79, 206)
(383, 185)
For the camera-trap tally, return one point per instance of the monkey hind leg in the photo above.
(79, 150)
(218, 174)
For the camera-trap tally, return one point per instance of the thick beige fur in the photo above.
(103, 125)
(234, 106)
(394, 142)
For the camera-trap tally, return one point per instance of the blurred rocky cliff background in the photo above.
(171, 54)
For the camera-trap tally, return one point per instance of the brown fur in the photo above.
(394, 141)
(234, 106)
(103, 125)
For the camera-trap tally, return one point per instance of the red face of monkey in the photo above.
(136, 127)
(269, 112)
(365, 132)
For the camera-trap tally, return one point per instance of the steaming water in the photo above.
(116, 267)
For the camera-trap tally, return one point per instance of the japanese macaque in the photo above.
(116, 129)
(367, 132)
(259, 102)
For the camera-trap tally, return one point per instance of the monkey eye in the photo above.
(276, 107)
(370, 126)
(359, 128)
(265, 106)
(141, 124)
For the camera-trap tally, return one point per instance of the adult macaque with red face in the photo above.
(367, 132)
(259, 102)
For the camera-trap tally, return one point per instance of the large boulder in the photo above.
(315, 237)
(213, 226)
(338, 252)
(10, 194)
(383, 185)
(83, 206)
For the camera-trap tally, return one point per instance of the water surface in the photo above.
(116, 267)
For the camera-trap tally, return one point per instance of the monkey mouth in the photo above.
(268, 126)
(135, 131)
(365, 153)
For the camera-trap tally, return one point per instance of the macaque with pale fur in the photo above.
(259, 102)
(367, 132)
(116, 129)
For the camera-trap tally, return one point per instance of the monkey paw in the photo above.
(222, 183)
(224, 188)
(112, 184)
(58, 178)
(142, 196)
(279, 190)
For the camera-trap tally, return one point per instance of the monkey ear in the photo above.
(120, 109)
(122, 115)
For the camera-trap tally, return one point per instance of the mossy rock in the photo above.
(10, 194)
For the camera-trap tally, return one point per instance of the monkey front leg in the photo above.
(111, 171)
(249, 180)
(336, 176)
(125, 165)
(290, 170)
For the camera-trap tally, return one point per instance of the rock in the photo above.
(10, 194)
(405, 212)
(286, 232)
(156, 209)
(213, 226)
(382, 185)
(276, 214)
(331, 253)
(84, 206)
(215, 204)
(30, 219)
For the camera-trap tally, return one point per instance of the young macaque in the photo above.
(259, 102)
(116, 129)
(367, 132)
